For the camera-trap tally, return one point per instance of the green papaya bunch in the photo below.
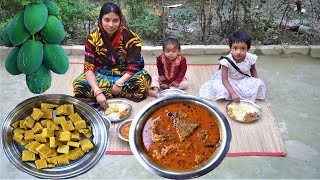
(36, 35)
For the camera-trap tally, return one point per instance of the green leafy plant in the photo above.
(183, 17)
(147, 25)
(77, 17)
(25, 2)
(136, 8)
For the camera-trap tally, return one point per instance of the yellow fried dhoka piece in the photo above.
(21, 124)
(46, 132)
(29, 135)
(42, 163)
(52, 125)
(48, 113)
(52, 160)
(37, 114)
(70, 109)
(63, 149)
(80, 124)
(40, 138)
(67, 126)
(65, 136)
(85, 132)
(48, 106)
(61, 110)
(18, 130)
(15, 124)
(86, 145)
(17, 137)
(66, 109)
(43, 150)
(113, 108)
(52, 142)
(28, 155)
(75, 117)
(73, 144)
(62, 159)
(75, 136)
(37, 127)
(28, 122)
(33, 145)
(59, 120)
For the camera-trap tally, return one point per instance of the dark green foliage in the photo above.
(26, 2)
(5, 37)
(78, 17)
(147, 25)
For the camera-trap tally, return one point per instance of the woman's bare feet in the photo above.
(153, 92)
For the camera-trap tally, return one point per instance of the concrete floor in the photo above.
(293, 92)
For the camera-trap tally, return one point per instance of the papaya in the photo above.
(55, 58)
(30, 56)
(53, 8)
(5, 37)
(53, 32)
(18, 34)
(35, 17)
(11, 62)
(40, 80)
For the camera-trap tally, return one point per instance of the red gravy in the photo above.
(124, 131)
(161, 139)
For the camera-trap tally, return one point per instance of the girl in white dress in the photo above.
(230, 84)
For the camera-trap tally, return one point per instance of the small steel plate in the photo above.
(121, 125)
(115, 115)
(241, 108)
(170, 92)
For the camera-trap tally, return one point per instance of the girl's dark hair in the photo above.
(110, 7)
(240, 37)
(172, 41)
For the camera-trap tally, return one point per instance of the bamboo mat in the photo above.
(260, 138)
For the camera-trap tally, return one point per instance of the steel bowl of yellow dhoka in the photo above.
(67, 140)
(180, 136)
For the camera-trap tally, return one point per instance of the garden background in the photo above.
(194, 22)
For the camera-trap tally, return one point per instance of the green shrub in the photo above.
(147, 25)
(75, 16)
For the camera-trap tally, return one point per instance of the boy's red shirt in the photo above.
(173, 71)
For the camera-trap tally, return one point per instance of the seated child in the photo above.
(172, 68)
(230, 84)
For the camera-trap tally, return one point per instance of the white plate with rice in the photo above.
(244, 111)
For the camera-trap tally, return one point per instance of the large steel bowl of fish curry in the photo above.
(180, 137)
(54, 136)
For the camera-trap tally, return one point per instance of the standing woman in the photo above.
(113, 65)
